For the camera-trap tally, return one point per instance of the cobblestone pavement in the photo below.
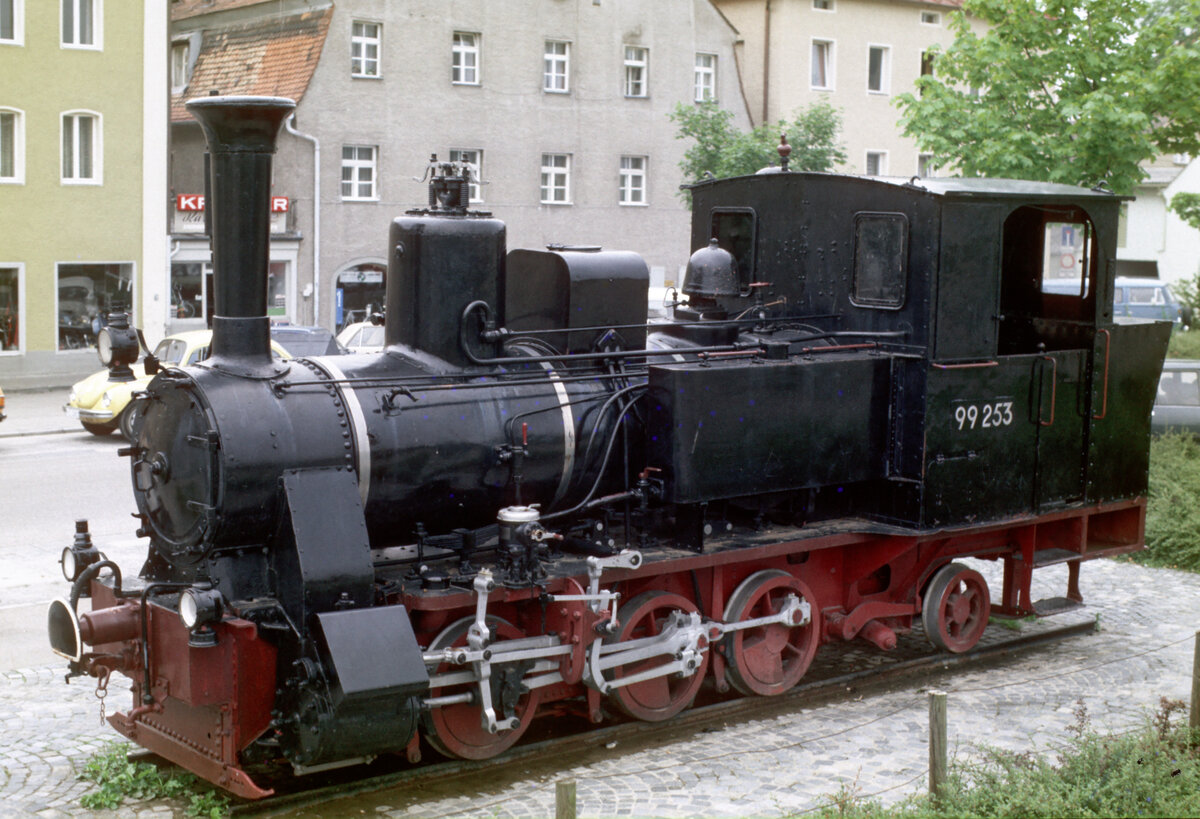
(874, 743)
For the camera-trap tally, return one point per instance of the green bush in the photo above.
(1173, 510)
(118, 779)
(1154, 772)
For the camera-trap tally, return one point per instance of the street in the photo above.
(51, 477)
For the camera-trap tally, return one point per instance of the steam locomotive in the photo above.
(534, 502)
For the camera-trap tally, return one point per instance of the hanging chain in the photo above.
(102, 690)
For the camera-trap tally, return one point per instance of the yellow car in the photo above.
(103, 405)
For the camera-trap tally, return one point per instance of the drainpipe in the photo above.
(766, 61)
(290, 126)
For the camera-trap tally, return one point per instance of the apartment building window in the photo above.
(364, 48)
(81, 23)
(12, 22)
(637, 68)
(359, 172)
(556, 71)
(633, 180)
(556, 179)
(12, 146)
(11, 281)
(466, 59)
(822, 65)
(879, 69)
(876, 163)
(931, 18)
(179, 66)
(81, 148)
(925, 165)
(705, 78)
(823, 5)
(474, 158)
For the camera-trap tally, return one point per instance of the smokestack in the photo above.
(241, 133)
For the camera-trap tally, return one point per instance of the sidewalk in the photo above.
(36, 412)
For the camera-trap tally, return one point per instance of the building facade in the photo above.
(561, 105)
(855, 54)
(1154, 241)
(82, 179)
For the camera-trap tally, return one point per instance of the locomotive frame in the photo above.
(534, 502)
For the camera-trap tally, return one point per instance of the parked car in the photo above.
(1145, 298)
(1177, 406)
(305, 341)
(103, 406)
(361, 337)
(2, 416)
(1133, 296)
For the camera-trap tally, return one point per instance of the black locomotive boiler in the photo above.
(534, 502)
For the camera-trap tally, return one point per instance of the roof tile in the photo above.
(275, 56)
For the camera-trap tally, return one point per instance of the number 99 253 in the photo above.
(983, 416)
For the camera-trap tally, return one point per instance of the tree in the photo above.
(1071, 91)
(1187, 207)
(723, 150)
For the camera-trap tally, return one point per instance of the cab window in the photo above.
(880, 256)
(733, 228)
(1049, 269)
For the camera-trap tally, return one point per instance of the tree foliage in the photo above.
(721, 149)
(1187, 207)
(1071, 91)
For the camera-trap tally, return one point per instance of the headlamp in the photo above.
(118, 347)
(200, 607)
(80, 554)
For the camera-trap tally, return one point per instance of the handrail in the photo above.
(1104, 394)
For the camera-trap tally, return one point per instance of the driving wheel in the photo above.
(457, 730)
(768, 659)
(658, 698)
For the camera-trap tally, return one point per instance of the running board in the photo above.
(1055, 605)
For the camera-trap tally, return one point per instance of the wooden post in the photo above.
(937, 743)
(1194, 718)
(564, 800)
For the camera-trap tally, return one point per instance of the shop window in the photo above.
(10, 309)
(87, 293)
(277, 290)
(189, 285)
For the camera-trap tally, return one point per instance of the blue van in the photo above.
(1145, 298)
(1132, 296)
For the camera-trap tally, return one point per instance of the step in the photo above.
(1049, 557)
(1055, 605)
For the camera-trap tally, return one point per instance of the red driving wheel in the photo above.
(458, 730)
(768, 659)
(658, 698)
(955, 608)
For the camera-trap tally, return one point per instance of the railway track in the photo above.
(559, 748)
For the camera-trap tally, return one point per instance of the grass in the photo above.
(118, 779)
(1184, 344)
(1152, 772)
